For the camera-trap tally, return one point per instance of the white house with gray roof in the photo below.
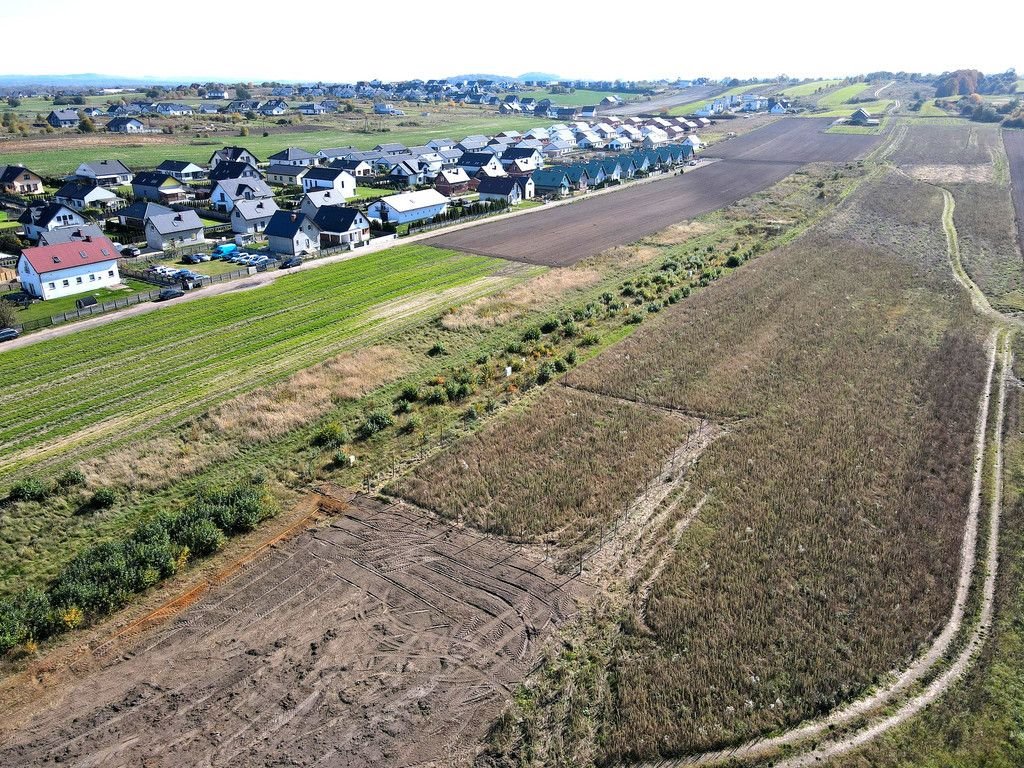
(177, 229)
(229, 191)
(105, 173)
(252, 216)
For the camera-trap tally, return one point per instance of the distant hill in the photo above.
(543, 76)
(83, 80)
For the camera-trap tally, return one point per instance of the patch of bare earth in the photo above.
(948, 173)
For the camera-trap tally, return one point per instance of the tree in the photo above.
(9, 243)
(241, 92)
(7, 316)
(13, 101)
(86, 125)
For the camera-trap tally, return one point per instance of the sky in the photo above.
(343, 41)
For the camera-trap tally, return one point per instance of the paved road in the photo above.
(750, 163)
(685, 96)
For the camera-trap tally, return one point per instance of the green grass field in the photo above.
(928, 109)
(60, 155)
(876, 108)
(6, 222)
(579, 98)
(52, 307)
(807, 89)
(365, 192)
(146, 371)
(693, 106)
(843, 95)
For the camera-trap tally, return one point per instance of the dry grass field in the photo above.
(825, 553)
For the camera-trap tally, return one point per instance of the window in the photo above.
(65, 283)
(92, 278)
(110, 273)
(78, 280)
(53, 286)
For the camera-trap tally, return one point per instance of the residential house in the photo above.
(334, 153)
(452, 181)
(177, 229)
(579, 179)
(66, 269)
(595, 172)
(40, 217)
(316, 199)
(777, 109)
(551, 182)
(342, 182)
(182, 170)
(234, 169)
(557, 148)
(472, 143)
(293, 156)
(588, 112)
(252, 216)
(860, 117)
(287, 175)
(527, 189)
(620, 143)
(241, 106)
(18, 180)
(125, 125)
(406, 173)
(311, 109)
(159, 187)
(540, 134)
(482, 163)
(500, 189)
(409, 206)
(356, 167)
(274, 108)
(612, 168)
(92, 112)
(63, 118)
(80, 195)
(173, 110)
(136, 214)
(69, 234)
(228, 191)
(521, 159)
(589, 139)
(693, 141)
(439, 144)
(105, 173)
(391, 149)
(233, 155)
(291, 233)
(341, 226)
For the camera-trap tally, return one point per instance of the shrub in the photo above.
(733, 261)
(436, 396)
(635, 318)
(70, 478)
(331, 435)
(413, 424)
(551, 325)
(376, 421)
(590, 340)
(531, 334)
(103, 498)
(545, 373)
(437, 350)
(571, 357)
(410, 393)
(403, 406)
(29, 489)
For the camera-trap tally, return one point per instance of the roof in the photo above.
(53, 258)
(549, 177)
(77, 190)
(519, 153)
(66, 114)
(174, 165)
(324, 174)
(335, 218)
(176, 221)
(106, 168)
(230, 169)
(10, 173)
(285, 224)
(236, 188)
(232, 153)
(121, 122)
(256, 209)
(476, 158)
(69, 234)
(497, 185)
(286, 170)
(347, 163)
(411, 201)
(292, 153)
(392, 147)
(143, 210)
(153, 179)
(454, 176)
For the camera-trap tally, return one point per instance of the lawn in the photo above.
(6, 222)
(51, 307)
(928, 109)
(808, 89)
(61, 155)
(372, 192)
(220, 345)
(842, 96)
(873, 107)
(693, 106)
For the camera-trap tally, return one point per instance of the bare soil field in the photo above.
(1014, 143)
(751, 162)
(381, 639)
(963, 144)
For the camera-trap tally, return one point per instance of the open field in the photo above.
(754, 161)
(72, 394)
(381, 638)
(765, 613)
(841, 96)
(693, 106)
(809, 89)
(876, 107)
(61, 154)
(1013, 141)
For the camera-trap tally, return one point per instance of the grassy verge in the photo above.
(51, 307)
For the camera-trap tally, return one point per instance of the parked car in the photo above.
(130, 250)
(224, 250)
(292, 261)
(170, 293)
(8, 334)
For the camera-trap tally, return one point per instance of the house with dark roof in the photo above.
(125, 125)
(292, 233)
(334, 153)
(159, 187)
(69, 234)
(18, 180)
(287, 175)
(527, 189)
(135, 215)
(861, 116)
(66, 269)
(80, 195)
(293, 156)
(342, 182)
(63, 118)
(182, 170)
(406, 173)
(341, 226)
(234, 169)
(353, 165)
(229, 191)
(391, 149)
(39, 217)
(177, 229)
(274, 108)
(481, 163)
(105, 173)
(521, 159)
(551, 182)
(252, 216)
(233, 155)
(499, 189)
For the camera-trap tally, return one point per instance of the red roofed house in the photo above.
(65, 269)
